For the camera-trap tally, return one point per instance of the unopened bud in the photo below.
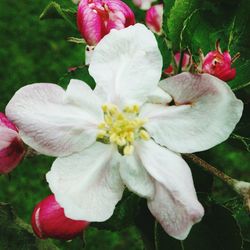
(219, 64)
(49, 221)
(154, 17)
(12, 148)
(95, 18)
(186, 63)
(143, 4)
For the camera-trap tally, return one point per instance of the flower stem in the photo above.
(240, 187)
(211, 169)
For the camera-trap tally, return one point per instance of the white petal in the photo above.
(205, 114)
(158, 96)
(175, 203)
(87, 184)
(135, 176)
(80, 94)
(127, 64)
(47, 123)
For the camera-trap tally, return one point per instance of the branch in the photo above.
(240, 187)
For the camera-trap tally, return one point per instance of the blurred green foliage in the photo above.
(34, 51)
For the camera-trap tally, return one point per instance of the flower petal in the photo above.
(87, 184)
(7, 135)
(127, 64)
(135, 176)
(205, 114)
(158, 96)
(49, 124)
(11, 150)
(175, 203)
(80, 94)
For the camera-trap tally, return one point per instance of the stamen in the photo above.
(122, 128)
(128, 150)
(144, 135)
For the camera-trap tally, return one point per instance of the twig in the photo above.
(240, 187)
(211, 169)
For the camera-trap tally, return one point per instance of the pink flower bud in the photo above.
(143, 4)
(95, 18)
(154, 18)
(219, 64)
(49, 221)
(11, 146)
(186, 63)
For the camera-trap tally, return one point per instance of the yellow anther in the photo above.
(144, 135)
(113, 137)
(102, 125)
(120, 116)
(108, 119)
(105, 108)
(122, 128)
(121, 141)
(113, 109)
(128, 150)
(136, 108)
(127, 109)
(101, 134)
(130, 137)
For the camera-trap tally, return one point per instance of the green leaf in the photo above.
(80, 73)
(176, 16)
(15, 234)
(54, 10)
(145, 222)
(165, 51)
(246, 245)
(242, 80)
(218, 230)
(76, 40)
(244, 140)
(241, 215)
(124, 215)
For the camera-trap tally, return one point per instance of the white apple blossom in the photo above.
(125, 132)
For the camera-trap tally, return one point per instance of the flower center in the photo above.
(122, 128)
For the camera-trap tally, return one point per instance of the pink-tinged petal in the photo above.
(135, 177)
(143, 4)
(120, 12)
(119, 60)
(49, 124)
(185, 59)
(87, 184)
(186, 63)
(49, 221)
(12, 150)
(89, 24)
(5, 122)
(154, 18)
(205, 113)
(175, 203)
